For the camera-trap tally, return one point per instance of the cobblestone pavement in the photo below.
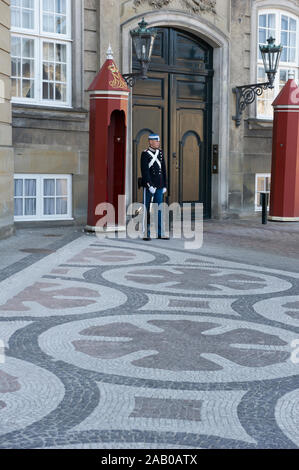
(126, 344)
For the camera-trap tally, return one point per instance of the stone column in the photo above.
(109, 28)
(6, 150)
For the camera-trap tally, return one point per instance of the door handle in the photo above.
(174, 155)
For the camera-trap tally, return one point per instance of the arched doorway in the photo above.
(116, 159)
(176, 101)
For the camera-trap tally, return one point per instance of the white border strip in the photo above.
(287, 106)
(286, 110)
(283, 219)
(144, 210)
(109, 98)
(108, 229)
(109, 92)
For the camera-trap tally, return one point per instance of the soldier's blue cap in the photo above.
(154, 137)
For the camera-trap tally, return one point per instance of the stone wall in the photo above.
(6, 151)
(91, 44)
(55, 140)
(251, 143)
(245, 150)
(240, 43)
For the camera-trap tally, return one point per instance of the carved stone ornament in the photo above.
(153, 3)
(197, 6)
(201, 5)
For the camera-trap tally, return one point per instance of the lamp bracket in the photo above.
(245, 95)
(131, 78)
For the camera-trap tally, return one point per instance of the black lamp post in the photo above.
(247, 94)
(143, 40)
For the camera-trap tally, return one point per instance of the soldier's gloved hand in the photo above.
(152, 190)
(164, 190)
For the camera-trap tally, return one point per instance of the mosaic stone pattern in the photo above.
(117, 344)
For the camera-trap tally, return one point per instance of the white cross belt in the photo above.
(154, 158)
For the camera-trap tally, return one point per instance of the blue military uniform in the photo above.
(153, 170)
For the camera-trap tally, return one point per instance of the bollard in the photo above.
(264, 203)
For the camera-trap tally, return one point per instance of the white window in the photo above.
(262, 185)
(42, 197)
(41, 52)
(23, 67)
(23, 14)
(283, 26)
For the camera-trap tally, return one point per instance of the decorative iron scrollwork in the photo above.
(131, 78)
(245, 95)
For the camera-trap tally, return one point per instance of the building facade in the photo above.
(204, 49)
(6, 150)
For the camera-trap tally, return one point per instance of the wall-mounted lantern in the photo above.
(247, 94)
(143, 41)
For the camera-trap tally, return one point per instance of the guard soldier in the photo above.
(153, 170)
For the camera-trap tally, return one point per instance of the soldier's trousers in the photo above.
(149, 198)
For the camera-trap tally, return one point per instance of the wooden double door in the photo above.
(176, 102)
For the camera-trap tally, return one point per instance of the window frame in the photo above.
(68, 72)
(36, 85)
(261, 175)
(278, 12)
(40, 197)
(39, 38)
(66, 36)
(34, 31)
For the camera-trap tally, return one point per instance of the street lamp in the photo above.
(143, 40)
(246, 95)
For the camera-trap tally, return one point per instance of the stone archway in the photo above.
(220, 126)
(175, 102)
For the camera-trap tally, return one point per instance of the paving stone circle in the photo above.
(116, 344)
